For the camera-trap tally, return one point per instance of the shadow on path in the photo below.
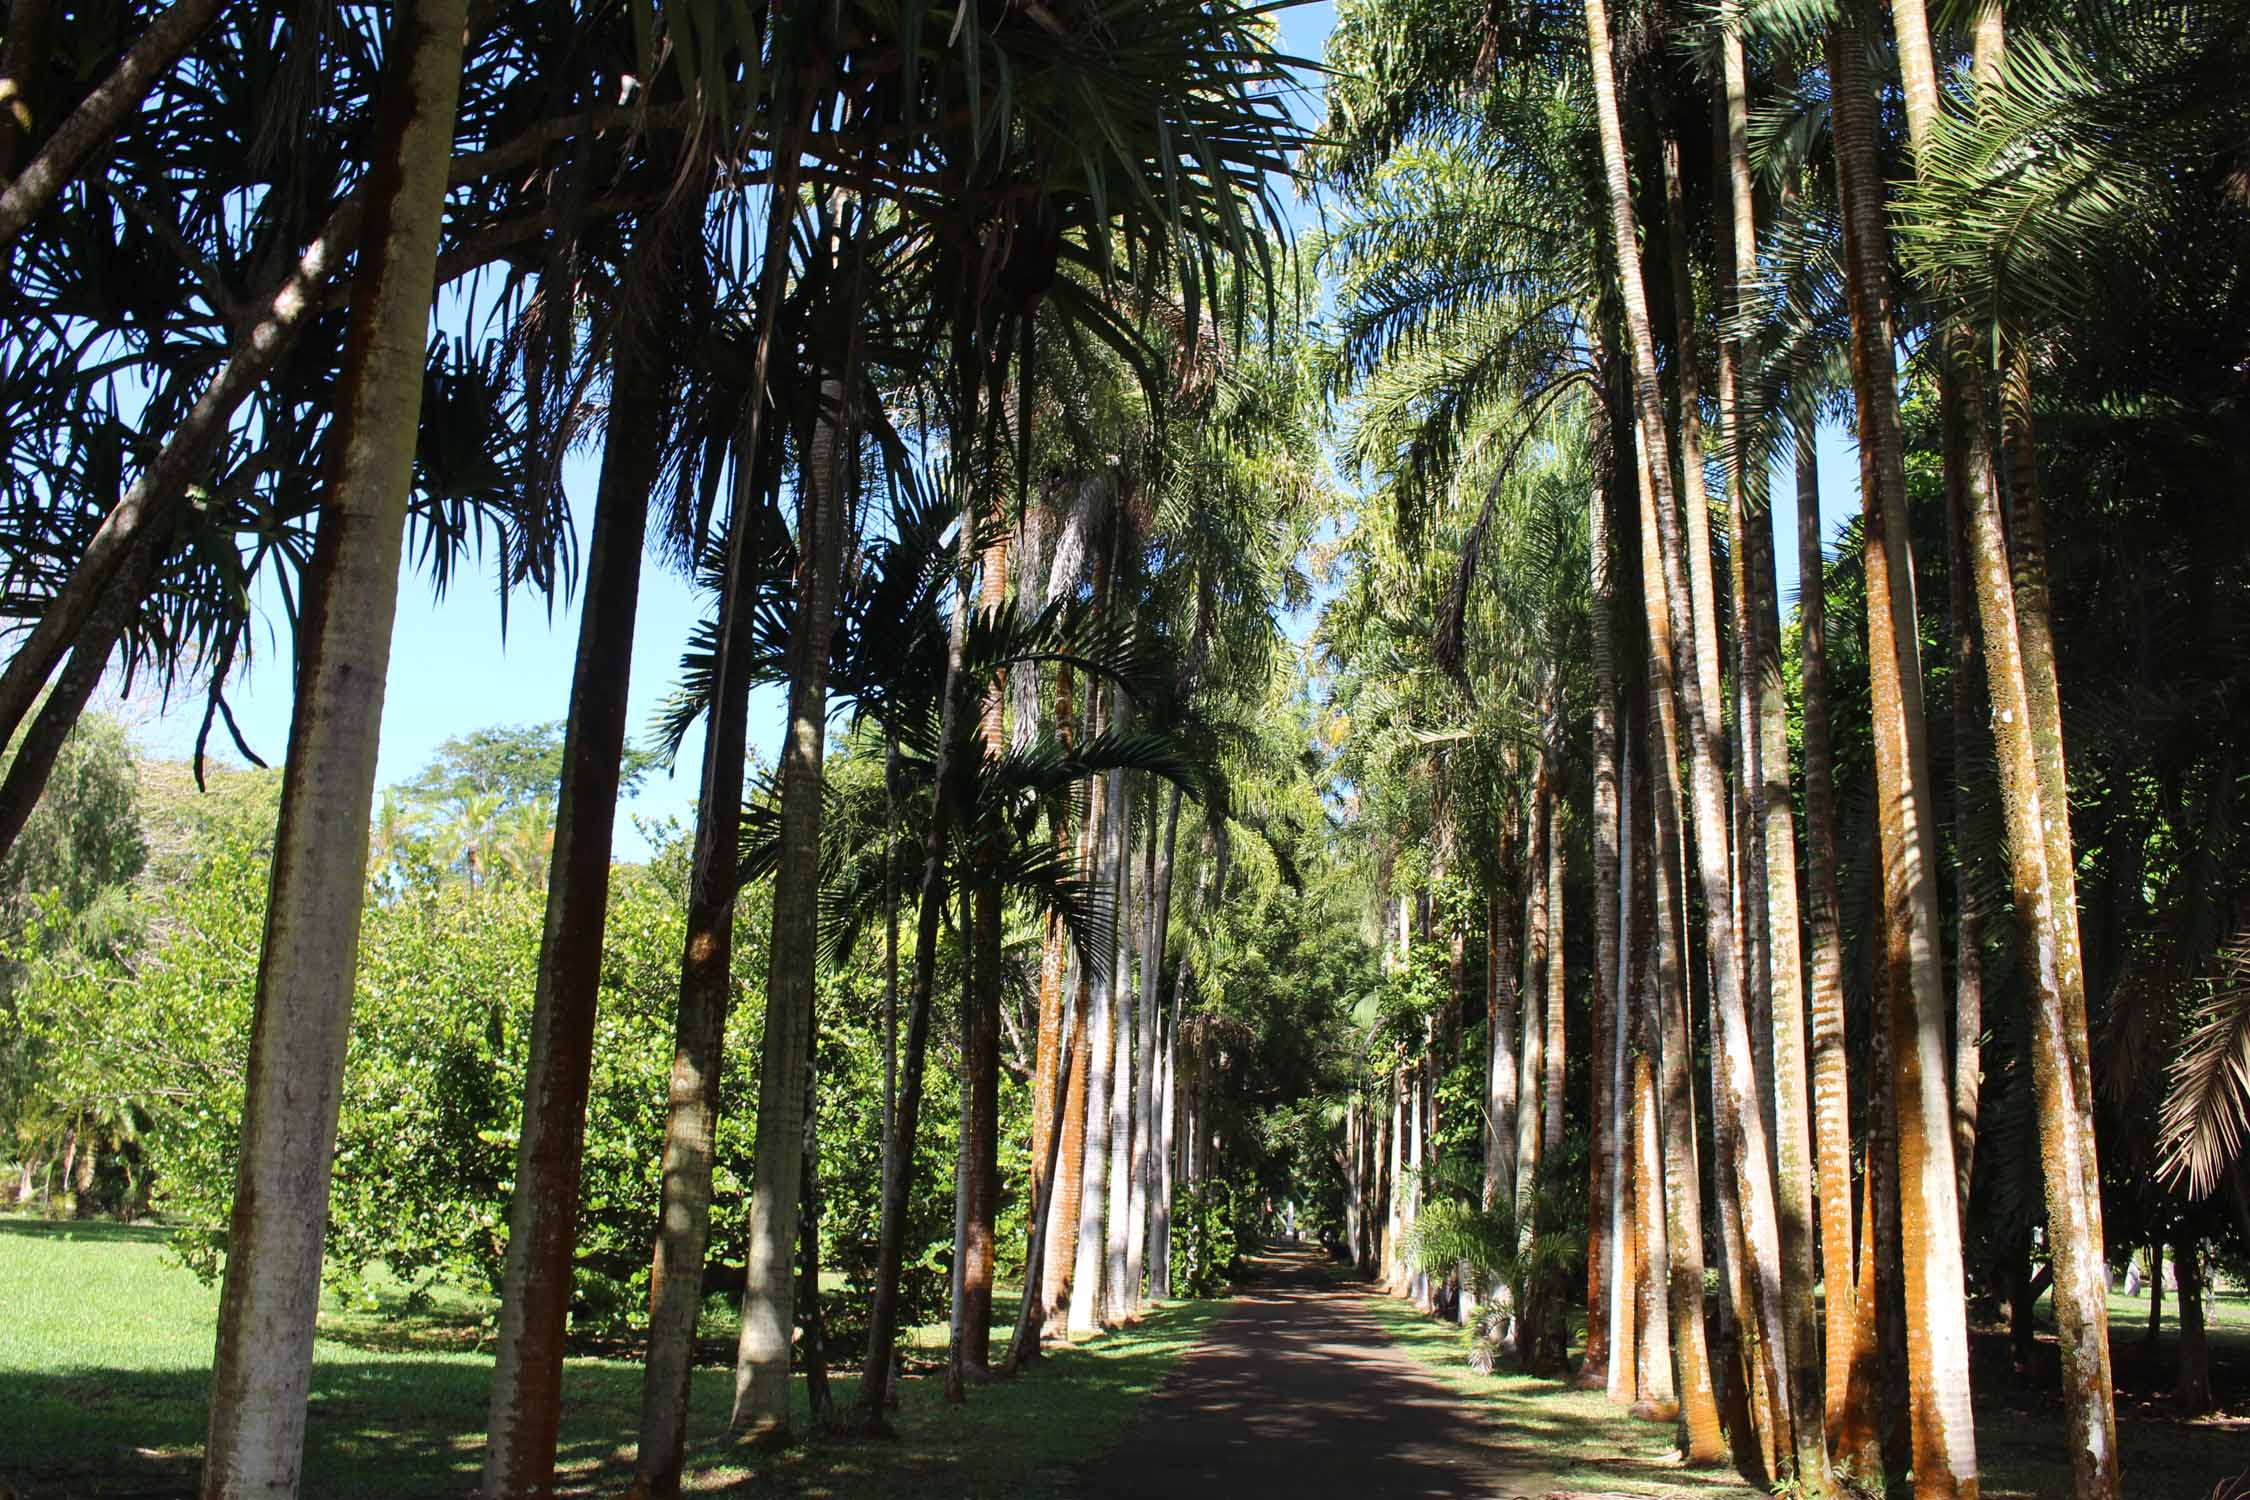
(1297, 1391)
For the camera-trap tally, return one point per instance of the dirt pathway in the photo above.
(1297, 1391)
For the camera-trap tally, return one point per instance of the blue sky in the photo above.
(452, 670)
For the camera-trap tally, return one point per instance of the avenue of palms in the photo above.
(1575, 664)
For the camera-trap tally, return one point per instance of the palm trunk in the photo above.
(706, 964)
(1117, 1297)
(1682, 1187)
(1945, 1461)
(1086, 1289)
(2192, 1393)
(1160, 1207)
(1500, 1024)
(980, 1061)
(1552, 1050)
(761, 1370)
(262, 1366)
(526, 1406)
(1140, 1249)
(1532, 1085)
(1766, 728)
(1846, 1429)
(898, 1150)
(1605, 1315)
(1659, 1392)
(1970, 784)
(1734, 1051)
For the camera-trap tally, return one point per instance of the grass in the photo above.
(2020, 1441)
(105, 1350)
(1591, 1446)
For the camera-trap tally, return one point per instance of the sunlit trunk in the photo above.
(1847, 1428)
(1500, 1024)
(1742, 1138)
(526, 1406)
(761, 1373)
(1765, 730)
(1117, 1297)
(1945, 1462)
(301, 1020)
(1668, 1035)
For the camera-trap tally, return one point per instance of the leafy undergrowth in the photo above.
(105, 1353)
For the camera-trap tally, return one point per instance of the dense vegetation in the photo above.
(1739, 1005)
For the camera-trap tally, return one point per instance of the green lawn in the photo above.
(2020, 1446)
(105, 1349)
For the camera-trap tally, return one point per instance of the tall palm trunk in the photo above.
(1167, 1110)
(1607, 1324)
(980, 1035)
(301, 1022)
(1766, 728)
(1552, 1048)
(1848, 1429)
(1147, 1082)
(1500, 1024)
(1531, 1095)
(2014, 611)
(675, 1293)
(1945, 1461)
(526, 1407)
(1970, 782)
(1682, 1189)
(1086, 1282)
(1117, 1296)
(898, 1150)
(1658, 1397)
(761, 1370)
(1742, 1137)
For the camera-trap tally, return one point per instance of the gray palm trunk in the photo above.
(526, 1406)
(307, 966)
(761, 1372)
(1086, 1288)
(1148, 1081)
(1160, 1203)
(1117, 1292)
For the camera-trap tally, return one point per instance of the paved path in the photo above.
(1296, 1391)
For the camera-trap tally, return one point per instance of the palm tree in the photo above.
(2027, 738)
(1944, 1436)
(263, 1362)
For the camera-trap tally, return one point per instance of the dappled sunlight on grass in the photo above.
(105, 1357)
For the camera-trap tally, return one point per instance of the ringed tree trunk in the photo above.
(761, 1371)
(2192, 1394)
(526, 1407)
(1735, 1051)
(1608, 1324)
(307, 965)
(1848, 1429)
(1945, 1462)
(1531, 1086)
(1766, 729)
(2020, 676)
